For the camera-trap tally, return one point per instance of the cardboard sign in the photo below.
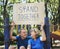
(29, 13)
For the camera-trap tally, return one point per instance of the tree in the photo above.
(59, 13)
(6, 24)
(53, 9)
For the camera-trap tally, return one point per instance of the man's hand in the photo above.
(11, 31)
(12, 24)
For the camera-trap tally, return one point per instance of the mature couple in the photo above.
(25, 42)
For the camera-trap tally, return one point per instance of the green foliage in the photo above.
(1, 34)
(53, 9)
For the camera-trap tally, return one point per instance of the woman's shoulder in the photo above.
(30, 39)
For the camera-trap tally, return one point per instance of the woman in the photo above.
(37, 41)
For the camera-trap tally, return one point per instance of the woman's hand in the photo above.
(43, 33)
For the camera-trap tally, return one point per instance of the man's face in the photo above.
(23, 33)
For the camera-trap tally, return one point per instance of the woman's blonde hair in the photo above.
(35, 30)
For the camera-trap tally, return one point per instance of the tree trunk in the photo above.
(47, 44)
(59, 13)
(6, 25)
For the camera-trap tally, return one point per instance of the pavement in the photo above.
(2, 47)
(55, 48)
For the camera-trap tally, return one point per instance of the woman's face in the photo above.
(33, 34)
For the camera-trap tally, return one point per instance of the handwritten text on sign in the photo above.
(29, 13)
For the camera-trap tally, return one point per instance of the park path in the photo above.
(2, 47)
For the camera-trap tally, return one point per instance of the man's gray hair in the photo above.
(19, 31)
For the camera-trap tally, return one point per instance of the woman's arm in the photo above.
(29, 47)
(29, 44)
(43, 36)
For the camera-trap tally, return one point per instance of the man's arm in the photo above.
(11, 32)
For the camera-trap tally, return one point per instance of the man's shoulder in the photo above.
(17, 37)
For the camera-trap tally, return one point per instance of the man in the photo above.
(22, 40)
